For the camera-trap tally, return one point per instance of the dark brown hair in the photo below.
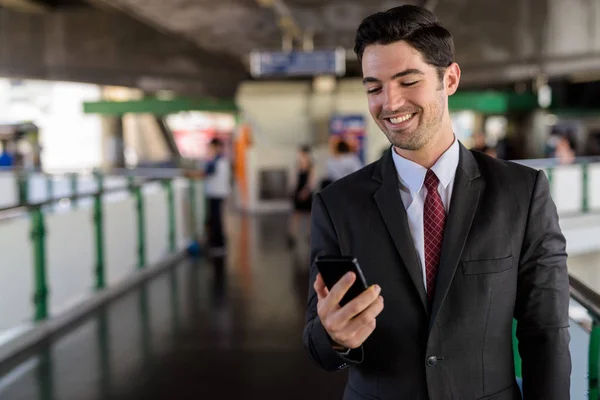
(417, 26)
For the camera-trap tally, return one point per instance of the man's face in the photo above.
(405, 95)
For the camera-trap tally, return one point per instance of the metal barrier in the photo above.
(575, 187)
(69, 236)
(590, 301)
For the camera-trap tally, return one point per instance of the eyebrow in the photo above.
(410, 71)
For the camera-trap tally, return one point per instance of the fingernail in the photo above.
(377, 289)
(349, 276)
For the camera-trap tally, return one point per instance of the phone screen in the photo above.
(332, 269)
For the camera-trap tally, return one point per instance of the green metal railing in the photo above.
(99, 231)
(585, 184)
(37, 213)
(590, 300)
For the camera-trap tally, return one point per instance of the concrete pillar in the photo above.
(113, 143)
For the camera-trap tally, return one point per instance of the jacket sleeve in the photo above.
(315, 339)
(542, 305)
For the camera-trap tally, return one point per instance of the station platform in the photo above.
(228, 328)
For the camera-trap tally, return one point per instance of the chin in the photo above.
(405, 140)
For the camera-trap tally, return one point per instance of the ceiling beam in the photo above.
(29, 6)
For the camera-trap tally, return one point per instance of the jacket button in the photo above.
(432, 361)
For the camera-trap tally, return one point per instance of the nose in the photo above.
(393, 98)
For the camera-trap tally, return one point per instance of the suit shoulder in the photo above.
(493, 167)
(352, 183)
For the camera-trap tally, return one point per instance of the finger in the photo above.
(367, 316)
(362, 334)
(338, 290)
(360, 303)
(320, 287)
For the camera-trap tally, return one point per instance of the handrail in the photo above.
(144, 171)
(590, 300)
(556, 162)
(78, 196)
(587, 297)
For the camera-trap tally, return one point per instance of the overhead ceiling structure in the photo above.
(497, 42)
(488, 33)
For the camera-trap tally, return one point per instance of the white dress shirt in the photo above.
(413, 192)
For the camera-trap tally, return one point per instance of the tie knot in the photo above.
(431, 181)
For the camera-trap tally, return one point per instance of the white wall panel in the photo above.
(567, 188)
(38, 188)
(16, 273)
(120, 235)
(9, 195)
(157, 223)
(594, 187)
(70, 257)
(182, 207)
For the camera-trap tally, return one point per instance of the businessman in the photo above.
(455, 244)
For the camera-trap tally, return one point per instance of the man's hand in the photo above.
(351, 325)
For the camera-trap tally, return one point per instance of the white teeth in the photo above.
(401, 119)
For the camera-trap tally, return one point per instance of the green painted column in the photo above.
(99, 233)
(593, 361)
(139, 199)
(38, 236)
(585, 204)
(516, 355)
(171, 215)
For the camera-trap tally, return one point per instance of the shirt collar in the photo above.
(412, 175)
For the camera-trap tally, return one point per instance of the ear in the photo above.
(452, 79)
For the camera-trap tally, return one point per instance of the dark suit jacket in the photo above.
(503, 255)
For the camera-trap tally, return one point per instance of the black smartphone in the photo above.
(333, 268)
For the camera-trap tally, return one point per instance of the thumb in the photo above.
(320, 287)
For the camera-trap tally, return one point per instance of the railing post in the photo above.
(550, 175)
(38, 236)
(585, 206)
(74, 178)
(99, 232)
(50, 186)
(168, 184)
(593, 361)
(136, 190)
(193, 210)
(23, 184)
(516, 354)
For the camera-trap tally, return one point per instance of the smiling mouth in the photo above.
(400, 119)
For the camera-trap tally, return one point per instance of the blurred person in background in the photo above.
(303, 192)
(344, 162)
(217, 176)
(479, 143)
(563, 150)
(7, 159)
(455, 245)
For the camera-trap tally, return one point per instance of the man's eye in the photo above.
(406, 84)
(373, 90)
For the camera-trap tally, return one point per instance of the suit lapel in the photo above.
(465, 197)
(392, 210)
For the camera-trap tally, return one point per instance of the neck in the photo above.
(431, 152)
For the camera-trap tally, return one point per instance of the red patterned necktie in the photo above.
(434, 220)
